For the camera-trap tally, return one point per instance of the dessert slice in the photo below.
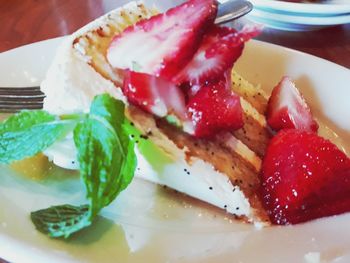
(222, 171)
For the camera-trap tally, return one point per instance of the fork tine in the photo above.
(33, 88)
(20, 90)
(21, 98)
(20, 103)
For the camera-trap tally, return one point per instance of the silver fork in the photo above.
(16, 99)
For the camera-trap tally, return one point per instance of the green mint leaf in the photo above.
(28, 133)
(112, 111)
(105, 152)
(62, 220)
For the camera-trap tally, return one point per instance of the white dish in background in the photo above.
(330, 7)
(296, 22)
(300, 16)
(149, 223)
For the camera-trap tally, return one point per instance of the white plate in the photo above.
(296, 22)
(150, 224)
(330, 7)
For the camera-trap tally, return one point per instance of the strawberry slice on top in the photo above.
(304, 177)
(219, 49)
(154, 94)
(214, 108)
(288, 109)
(163, 44)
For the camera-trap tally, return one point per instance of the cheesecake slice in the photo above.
(222, 171)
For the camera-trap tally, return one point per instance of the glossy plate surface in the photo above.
(148, 223)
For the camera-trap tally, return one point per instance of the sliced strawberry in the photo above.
(154, 95)
(288, 109)
(214, 108)
(219, 49)
(165, 43)
(304, 177)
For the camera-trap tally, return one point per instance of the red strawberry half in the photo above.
(304, 177)
(154, 94)
(214, 108)
(165, 43)
(288, 109)
(219, 49)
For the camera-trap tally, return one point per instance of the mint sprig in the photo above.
(105, 153)
(107, 165)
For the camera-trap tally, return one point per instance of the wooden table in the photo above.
(26, 21)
